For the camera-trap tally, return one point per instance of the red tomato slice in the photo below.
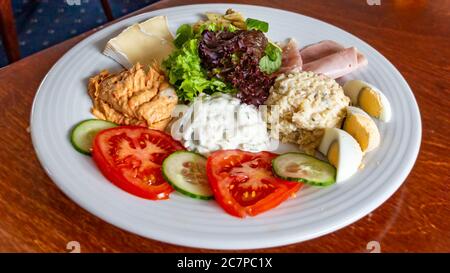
(131, 158)
(243, 182)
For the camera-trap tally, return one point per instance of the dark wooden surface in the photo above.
(107, 9)
(35, 216)
(8, 31)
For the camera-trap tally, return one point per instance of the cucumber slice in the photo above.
(84, 132)
(186, 172)
(304, 168)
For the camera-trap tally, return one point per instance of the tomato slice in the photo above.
(131, 158)
(243, 182)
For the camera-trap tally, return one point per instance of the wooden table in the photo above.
(35, 216)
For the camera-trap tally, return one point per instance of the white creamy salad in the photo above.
(219, 122)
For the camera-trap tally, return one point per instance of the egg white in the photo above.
(352, 89)
(350, 154)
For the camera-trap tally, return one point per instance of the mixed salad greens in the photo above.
(186, 73)
(223, 56)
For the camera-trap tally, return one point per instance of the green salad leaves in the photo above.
(271, 61)
(257, 25)
(184, 33)
(184, 68)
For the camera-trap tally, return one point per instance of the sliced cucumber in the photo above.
(304, 168)
(84, 132)
(186, 172)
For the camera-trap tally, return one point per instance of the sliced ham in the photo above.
(319, 50)
(362, 60)
(331, 59)
(335, 65)
(291, 58)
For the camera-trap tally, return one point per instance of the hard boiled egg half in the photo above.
(342, 151)
(369, 98)
(362, 128)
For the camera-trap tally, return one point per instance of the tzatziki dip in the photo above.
(219, 122)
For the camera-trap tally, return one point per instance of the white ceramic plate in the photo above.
(62, 101)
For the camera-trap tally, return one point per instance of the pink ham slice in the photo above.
(331, 59)
(319, 50)
(335, 65)
(362, 60)
(291, 58)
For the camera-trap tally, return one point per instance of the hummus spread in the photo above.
(133, 97)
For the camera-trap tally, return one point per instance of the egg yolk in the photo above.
(370, 101)
(358, 127)
(333, 154)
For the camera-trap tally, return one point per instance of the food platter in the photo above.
(62, 101)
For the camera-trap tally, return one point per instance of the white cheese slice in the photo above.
(157, 26)
(147, 42)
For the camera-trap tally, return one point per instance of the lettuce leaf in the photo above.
(209, 26)
(257, 24)
(185, 72)
(271, 61)
(184, 33)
